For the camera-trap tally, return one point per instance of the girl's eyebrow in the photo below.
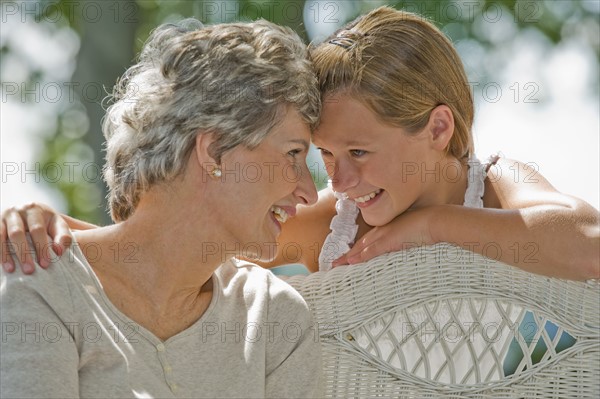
(348, 143)
(355, 143)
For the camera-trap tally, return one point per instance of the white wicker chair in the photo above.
(442, 322)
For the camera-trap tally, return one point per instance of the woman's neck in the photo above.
(161, 252)
(152, 269)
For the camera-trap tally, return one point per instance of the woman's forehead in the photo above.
(292, 127)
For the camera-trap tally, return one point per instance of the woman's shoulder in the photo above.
(253, 282)
(238, 273)
(51, 287)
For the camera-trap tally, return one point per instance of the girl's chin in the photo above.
(377, 220)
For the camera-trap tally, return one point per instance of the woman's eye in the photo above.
(357, 153)
(295, 152)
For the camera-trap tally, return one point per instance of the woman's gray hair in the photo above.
(233, 80)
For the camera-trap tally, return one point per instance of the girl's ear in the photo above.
(440, 127)
(204, 154)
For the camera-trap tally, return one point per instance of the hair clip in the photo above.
(344, 42)
(346, 39)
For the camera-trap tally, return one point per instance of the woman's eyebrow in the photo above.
(302, 142)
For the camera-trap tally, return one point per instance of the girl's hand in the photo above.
(408, 230)
(40, 221)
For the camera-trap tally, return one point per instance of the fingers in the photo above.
(376, 242)
(62, 237)
(371, 251)
(361, 245)
(7, 261)
(40, 221)
(339, 261)
(359, 255)
(15, 230)
(344, 259)
(37, 230)
(364, 249)
(382, 245)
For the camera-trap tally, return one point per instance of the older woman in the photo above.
(206, 147)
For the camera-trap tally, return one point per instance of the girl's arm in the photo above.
(525, 223)
(40, 221)
(300, 241)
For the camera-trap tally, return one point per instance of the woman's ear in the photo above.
(440, 127)
(204, 154)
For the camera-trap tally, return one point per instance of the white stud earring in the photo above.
(216, 172)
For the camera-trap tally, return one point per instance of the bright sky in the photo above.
(560, 134)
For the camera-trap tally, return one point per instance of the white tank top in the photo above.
(344, 228)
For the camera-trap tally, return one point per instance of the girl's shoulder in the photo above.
(510, 182)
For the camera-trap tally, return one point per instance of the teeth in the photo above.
(367, 197)
(280, 214)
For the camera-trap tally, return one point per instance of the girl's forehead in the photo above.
(345, 138)
(347, 117)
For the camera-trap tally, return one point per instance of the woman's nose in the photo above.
(306, 190)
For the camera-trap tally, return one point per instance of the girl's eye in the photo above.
(357, 153)
(324, 152)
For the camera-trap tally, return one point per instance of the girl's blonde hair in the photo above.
(401, 67)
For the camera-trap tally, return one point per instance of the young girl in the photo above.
(395, 134)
